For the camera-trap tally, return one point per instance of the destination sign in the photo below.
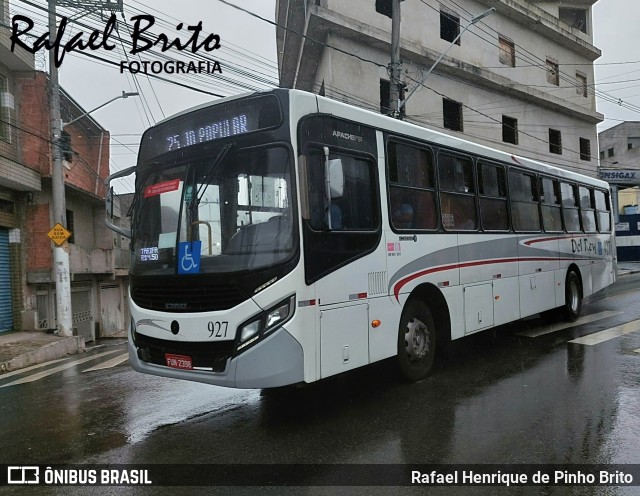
(211, 123)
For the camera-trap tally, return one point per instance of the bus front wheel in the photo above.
(573, 298)
(416, 341)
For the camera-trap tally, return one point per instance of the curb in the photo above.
(52, 351)
(628, 272)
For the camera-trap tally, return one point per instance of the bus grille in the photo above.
(187, 299)
(206, 355)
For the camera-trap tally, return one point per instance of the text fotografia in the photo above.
(170, 67)
(540, 477)
(142, 40)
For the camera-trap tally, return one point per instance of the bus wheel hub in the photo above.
(417, 340)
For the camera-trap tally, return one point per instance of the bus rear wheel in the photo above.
(416, 341)
(573, 298)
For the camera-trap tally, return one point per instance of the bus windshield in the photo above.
(228, 212)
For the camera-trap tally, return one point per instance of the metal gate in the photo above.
(6, 311)
(82, 317)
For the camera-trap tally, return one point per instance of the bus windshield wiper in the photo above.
(205, 182)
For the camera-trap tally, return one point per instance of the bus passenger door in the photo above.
(344, 339)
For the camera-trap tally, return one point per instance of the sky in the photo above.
(250, 43)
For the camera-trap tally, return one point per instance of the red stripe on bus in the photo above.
(403, 282)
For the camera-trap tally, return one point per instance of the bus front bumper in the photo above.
(275, 361)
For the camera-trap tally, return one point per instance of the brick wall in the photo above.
(38, 244)
(34, 119)
(89, 143)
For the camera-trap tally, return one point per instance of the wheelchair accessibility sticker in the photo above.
(189, 257)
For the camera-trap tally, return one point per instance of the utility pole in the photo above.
(396, 63)
(61, 271)
(61, 252)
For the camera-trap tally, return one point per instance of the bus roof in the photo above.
(375, 120)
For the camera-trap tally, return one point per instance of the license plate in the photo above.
(178, 361)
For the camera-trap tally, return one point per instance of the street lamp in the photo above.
(60, 252)
(471, 23)
(124, 95)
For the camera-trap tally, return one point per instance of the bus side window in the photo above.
(550, 204)
(587, 210)
(412, 202)
(523, 193)
(355, 209)
(570, 212)
(457, 193)
(603, 211)
(492, 188)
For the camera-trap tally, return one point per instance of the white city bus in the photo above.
(283, 237)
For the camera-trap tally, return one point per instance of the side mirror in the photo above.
(110, 202)
(336, 178)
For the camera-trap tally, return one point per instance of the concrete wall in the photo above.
(470, 74)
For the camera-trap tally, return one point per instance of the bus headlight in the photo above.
(266, 322)
(250, 330)
(279, 314)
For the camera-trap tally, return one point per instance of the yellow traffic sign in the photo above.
(58, 234)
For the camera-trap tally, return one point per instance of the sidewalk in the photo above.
(23, 349)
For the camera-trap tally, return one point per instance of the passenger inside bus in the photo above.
(401, 212)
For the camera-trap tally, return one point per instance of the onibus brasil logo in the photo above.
(142, 40)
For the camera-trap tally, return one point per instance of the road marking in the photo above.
(60, 368)
(548, 329)
(109, 363)
(33, 367)
(606, 335)
(637, 351)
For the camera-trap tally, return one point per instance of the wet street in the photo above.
(528, 393)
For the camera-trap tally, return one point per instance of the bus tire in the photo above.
(573, 298)
(416, 340)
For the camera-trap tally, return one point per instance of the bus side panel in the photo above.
(536, 277)
(601, 270)
(506, 294)
(383, 340)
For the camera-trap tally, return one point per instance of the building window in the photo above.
(601, 154)
(385, 97)
(507, 52)
(449, 26)
(576, 18)
(610, 152)
(384, 7)
(555, 142)
(452, 113)
(509, 130)
(553, 74)
(633, 142)
(69, 226)
(585, 149)
(581, 86)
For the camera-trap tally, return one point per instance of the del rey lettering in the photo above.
(142, 40)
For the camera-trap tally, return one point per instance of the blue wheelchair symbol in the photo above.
(189, 257)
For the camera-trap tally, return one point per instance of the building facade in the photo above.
(98, 265)
(520, 80)
(18, 181)
(99, 259)
(620, 163)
